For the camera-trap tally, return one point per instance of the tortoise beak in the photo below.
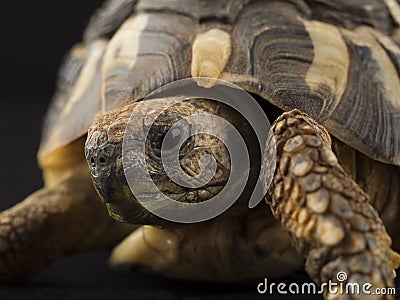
(108, 176)
(104, 188)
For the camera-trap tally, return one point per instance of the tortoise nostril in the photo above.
(92, 161)
(102, 160)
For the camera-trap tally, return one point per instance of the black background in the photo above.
(35, 35)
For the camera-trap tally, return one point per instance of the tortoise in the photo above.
(326, 73)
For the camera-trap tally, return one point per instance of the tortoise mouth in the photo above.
(130, 210)
(188, 196)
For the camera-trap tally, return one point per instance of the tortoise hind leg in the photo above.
(54, 222)
(327, 215)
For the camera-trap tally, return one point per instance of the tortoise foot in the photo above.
(327, 215)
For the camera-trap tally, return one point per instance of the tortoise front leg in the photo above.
(52, 223)
(327, 215)
(235, 248)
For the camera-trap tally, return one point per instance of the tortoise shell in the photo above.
(337, 61)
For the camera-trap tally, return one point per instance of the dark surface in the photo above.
(35, 37)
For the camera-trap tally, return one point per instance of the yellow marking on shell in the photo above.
(395, 259)
(387, 42)
(388, 73)
(57, 164)
(394, 9)
(149, 246)
(123, 48)
(86, 75)
(331, 60)
(210, 53)
(238, 78)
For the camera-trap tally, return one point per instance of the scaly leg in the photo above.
(327, 215)
(52, 223)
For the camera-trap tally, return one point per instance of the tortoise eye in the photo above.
(176, 139)
(172, 140)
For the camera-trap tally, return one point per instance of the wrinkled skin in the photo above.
(103, 152)
(311, 209)
(328, 217)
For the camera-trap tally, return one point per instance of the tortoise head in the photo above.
(158, 139)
